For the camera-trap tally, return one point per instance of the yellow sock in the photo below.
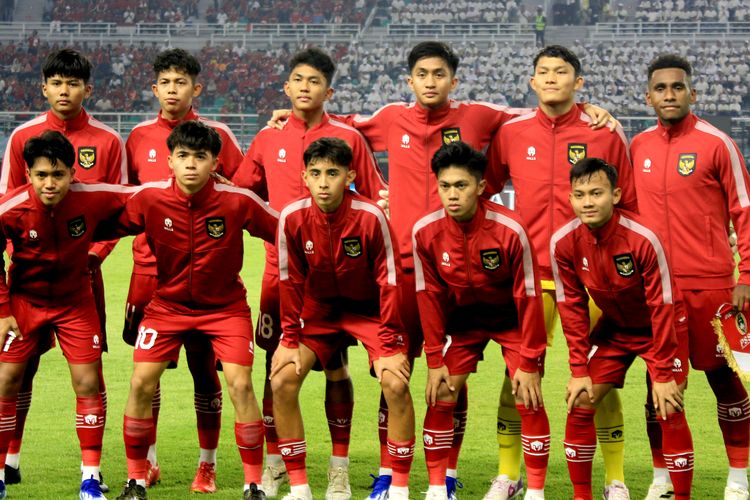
(508, 434)
(610, 430)
(550, 314)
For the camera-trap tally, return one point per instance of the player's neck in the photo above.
(67, 117)
(175, 116)
(311, 117)
(554, 110)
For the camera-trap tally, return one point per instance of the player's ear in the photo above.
(481, 187)
(579, 83)
(350, 175)
(286, 89)
(197, 89)
(328, 94)
(616, 195)
(87, 90)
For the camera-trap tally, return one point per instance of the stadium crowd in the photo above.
(692, 10)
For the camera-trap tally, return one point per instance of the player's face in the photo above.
(670, 94)
(50, 182)
(327, 183)
(459, 192)
(175, 91)
(191, 168)
(593, 199)
(555, 81)
(307, 88)
(432, 81)
(65, 95)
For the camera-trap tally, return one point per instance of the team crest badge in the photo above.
(87, 157)
(576, 152)
(686, 163)
(490, 259)
(451, 135)
(624, 264)
(215, 227)
(352, 246)
(77, 226)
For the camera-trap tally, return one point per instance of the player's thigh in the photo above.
(231, 334)
(409, 312)
(78, 332)
(161, 334)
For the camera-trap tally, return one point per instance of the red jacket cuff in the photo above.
(5, 310)
(530, 365)
(579, 371)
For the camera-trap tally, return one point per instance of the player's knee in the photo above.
(394, 389)
(10, 379)
(240, 386)
(142, 387)
(285, 384)
(583, 402)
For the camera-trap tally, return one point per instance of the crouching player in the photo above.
(50, 223)
(338, 276)
(477, 280)
(622, 264)
(193, 226)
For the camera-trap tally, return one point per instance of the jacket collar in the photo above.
(469, 227)
(297, 123)
(680, 128)
(170, 124)
(195, 199)
(427, 115)
(76, 123)
(550, 122)
(605, 232)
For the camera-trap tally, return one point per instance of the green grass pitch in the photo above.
(50, 457)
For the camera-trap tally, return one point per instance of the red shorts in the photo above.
(701, 305)
(409, 311)
(327, 338)
(166, 327)
(464, 350)
(76, 325)
(142, 287)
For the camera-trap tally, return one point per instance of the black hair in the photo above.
(196, 136)
(665, 61)
(67, 62)
(461, 155)
(51, 145)
(433, 49)
(563, 53)
(333, 149)
(584, 169)
(178, 59)
(316, 58)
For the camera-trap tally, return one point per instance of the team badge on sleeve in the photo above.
(215, 227)
(686, 163)
(624, 264)
(352, 246)
(452, 134)
(77, 226)
(576, 152)
(490, 258)
(731, 327)
(87, 157)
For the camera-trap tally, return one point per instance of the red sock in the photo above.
(155, 408)
(272, 440)
(7, 425)
(535, 440)
(340, 426)
(294, 453)
(734, 414)
(459, 426)
(653, 429)
(437, 436)
(90, 428)
(136, 433)
(103, 391)
(385, 456)
(208, 418)
(23, 403)
(402, 455)
(678, 453)
(580, 446)
(249, 438)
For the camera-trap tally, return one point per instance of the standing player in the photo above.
(273, 168)
(535, 151)
(176, 73)
(194, 229)
(609, 254)
(100, 158)
(476, 281)
(338, 277)
(50, 224)
(691, 182)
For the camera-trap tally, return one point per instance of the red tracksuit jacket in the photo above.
(147, 154)
(536, 153)
(624, 269)
(691, 181)
(343, 261)
(478, 275)
(412, 134)
(49, 264)
(197, 239)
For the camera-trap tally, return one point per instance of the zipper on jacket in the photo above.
(56, 239)
(467, 258)
(191, 228)
(667, 215)
(332, 256)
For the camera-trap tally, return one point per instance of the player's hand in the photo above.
(285, 356)
(384, 203)
(529, 386)
(576, 386)
(396, 364)
(278, 118)
(600, 117)
(435, 377)
(666, 392)
(741, 297)
(221, 179)
(9, 332)
(733, 240)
